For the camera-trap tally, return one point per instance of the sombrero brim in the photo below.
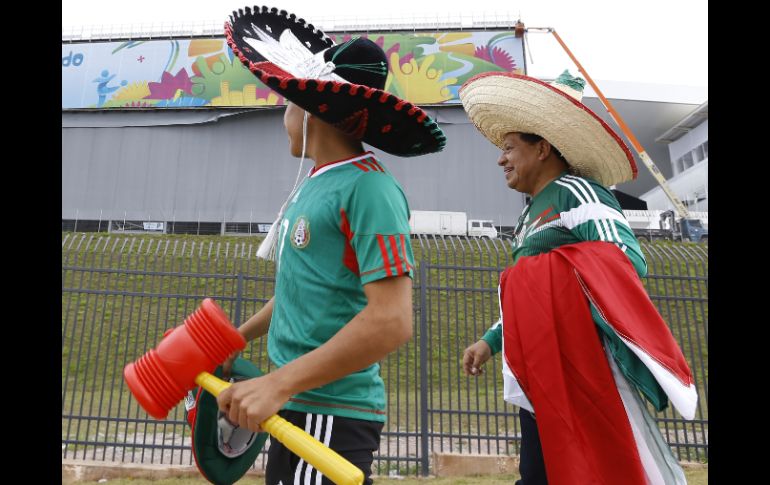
(371, 115)
(501, 103)
(216, 467)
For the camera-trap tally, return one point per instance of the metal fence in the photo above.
(120, 293)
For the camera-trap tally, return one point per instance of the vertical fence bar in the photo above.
(424, 457)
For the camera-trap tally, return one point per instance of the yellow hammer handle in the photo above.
(323, 458)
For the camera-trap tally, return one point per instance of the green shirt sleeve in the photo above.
(378, 215)
(494, 337)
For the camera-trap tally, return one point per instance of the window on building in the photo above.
(698, 154)
(686, 161)
(677, 166)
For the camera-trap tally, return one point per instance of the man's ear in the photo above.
(544, 149)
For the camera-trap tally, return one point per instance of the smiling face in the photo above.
(522, 163)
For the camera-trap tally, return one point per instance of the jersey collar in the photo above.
(316, 171)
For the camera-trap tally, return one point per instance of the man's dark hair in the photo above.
(531, 139)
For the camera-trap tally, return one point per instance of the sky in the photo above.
(619, 43)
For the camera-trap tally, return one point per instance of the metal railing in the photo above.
(480, 20)
(121, 292)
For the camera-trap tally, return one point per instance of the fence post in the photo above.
(425, 459)
(238, 297)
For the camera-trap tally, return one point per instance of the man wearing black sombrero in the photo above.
(580, 338)
(341, 242)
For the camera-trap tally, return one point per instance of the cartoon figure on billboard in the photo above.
(102, 89)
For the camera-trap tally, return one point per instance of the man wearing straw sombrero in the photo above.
(580, 338)
(343, 288)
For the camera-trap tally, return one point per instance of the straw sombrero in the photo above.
(500, 103)
(342, 84)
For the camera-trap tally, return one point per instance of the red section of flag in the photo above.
(552, 348)
(554, 351)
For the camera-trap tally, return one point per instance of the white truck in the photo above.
(443, 223)
(654, 224)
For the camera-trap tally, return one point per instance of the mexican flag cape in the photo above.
(593, 425)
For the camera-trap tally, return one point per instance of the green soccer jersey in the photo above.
(346, 226)
(570, 210)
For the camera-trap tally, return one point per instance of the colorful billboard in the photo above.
(425, 68)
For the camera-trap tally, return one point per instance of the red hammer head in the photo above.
(160, 378)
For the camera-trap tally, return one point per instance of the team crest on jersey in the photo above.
(528, 228)
(300, 233)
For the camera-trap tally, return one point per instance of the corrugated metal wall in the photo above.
(239, 169)
(233, 165)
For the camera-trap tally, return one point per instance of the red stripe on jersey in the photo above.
(384, 250)
(379, 167)
(542, 214)
(403, 251)
(359, 165)
(349, 254)
(371, 164)
(396, 260)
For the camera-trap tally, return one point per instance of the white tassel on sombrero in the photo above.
(499, 103)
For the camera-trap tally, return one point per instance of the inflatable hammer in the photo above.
(188, 354)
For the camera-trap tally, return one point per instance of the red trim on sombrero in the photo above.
(270, 69)
(267, 71)
(566, 96)
(278, 79)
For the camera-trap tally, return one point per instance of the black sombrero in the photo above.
(342, 84)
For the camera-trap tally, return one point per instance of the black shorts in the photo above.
(355, 439)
